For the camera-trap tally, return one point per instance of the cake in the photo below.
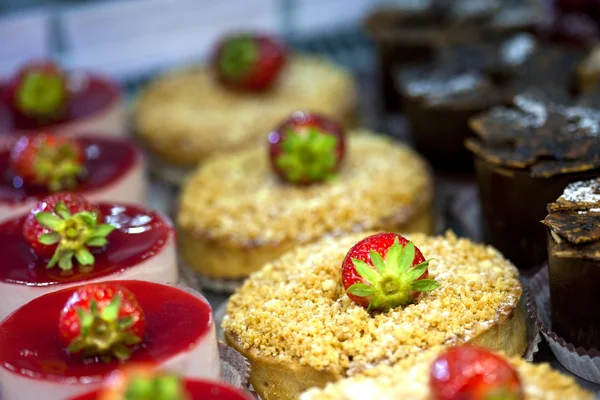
(101, 169)
(65, 343)
(66, 241)
(236, 212)
(299, 329)
(42, 96)
(411, 379)
(524, 157)
(188, 115)
(573, 223)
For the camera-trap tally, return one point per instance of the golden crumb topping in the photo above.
(240, 198)
(191, 110)
(295, 310)
(409, 379)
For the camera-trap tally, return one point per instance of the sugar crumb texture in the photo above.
(239, 198)
(295, 310)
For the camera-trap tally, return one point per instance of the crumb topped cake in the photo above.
(298, 328)
(409, 379)
(236, 214)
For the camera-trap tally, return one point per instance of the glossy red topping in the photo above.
(249, 62)
(103, 320)
(140, 234)
(470, 373)
(169, 331)
(384, 271)
(306, 148)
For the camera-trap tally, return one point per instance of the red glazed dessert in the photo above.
(42, 96)
(140, 383)
(66, 241)
(34, 365)
(101, 169)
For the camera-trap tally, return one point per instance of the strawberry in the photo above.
(470, 373)
(141, 382)
(249, 62)
(384, 271)
(306, 148)
(48, 160)
(102, 319)
(39, 92)
(63, 226)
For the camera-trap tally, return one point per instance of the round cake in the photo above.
(299, 329)
(188, 115)
(235, 214)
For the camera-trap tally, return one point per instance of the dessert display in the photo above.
(524, 158)
(408, 32)
(573, 223)
(91, 330)
(252, 84)
(66, 241)
(143, 383)
(42, 96)
(463, 372)
(241, 210)
(340, 306)
(101, 169)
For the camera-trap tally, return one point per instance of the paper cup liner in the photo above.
(582, 362)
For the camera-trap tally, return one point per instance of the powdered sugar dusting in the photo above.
(583, 192)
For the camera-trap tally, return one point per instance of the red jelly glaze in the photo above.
(106, 160)
(140, 234)
(198, 390)
(92, 94)
(170, 331)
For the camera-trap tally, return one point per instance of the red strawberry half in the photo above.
(64, 226)
(39, 92)
(384, 271)
(103, 320)
(472, 373)
(307, 148)
(249, 62)
(48, 160)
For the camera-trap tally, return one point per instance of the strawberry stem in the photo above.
(164, 387)
(57, 166)
(41, 95)
(238, 58)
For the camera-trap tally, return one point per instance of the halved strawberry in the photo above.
(103, 320)
(307, 148)
(63, 226)
(44, 159)
(39, 92)
(249, 62)
(384, 271)
(472, 373)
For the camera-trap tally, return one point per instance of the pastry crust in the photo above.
(409, 379)
(235, 214)
(299, 330)
(186, 115)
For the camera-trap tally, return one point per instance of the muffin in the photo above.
(239, 211)
(524, 158)
(573, 223)
(299, 329)
(188, 115)
(413, 379)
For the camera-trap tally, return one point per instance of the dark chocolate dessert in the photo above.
(574, 263)
(524, 158)
(409, 31)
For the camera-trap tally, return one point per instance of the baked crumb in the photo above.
(238, 197)
(288, 310)
(409, 379)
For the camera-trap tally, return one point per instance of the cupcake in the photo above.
(342, 306)
(42, 96)
(524, 157)
(67, 343)
(252, 83)
(241, 210)
(459, 373)
(573, 223)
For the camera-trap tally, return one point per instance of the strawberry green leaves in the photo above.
(161, 387)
